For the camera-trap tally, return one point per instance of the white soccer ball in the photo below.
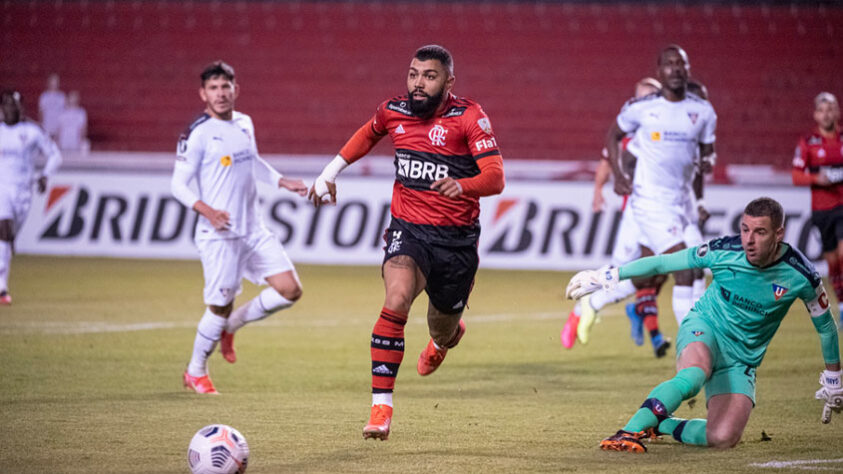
(218, 449)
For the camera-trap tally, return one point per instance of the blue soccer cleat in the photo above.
(636, 330)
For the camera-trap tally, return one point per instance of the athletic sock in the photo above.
(207, 334)
(5, 264)
(646, 306)
(698, 289)
(600, 299)
(666, 398)
(267, 302)
(387, 352)
(682, 301)
(685, 431)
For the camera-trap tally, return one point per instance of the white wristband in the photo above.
(334, 168)
(700, 202)
(831, 379)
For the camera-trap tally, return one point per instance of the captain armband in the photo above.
(819, 305)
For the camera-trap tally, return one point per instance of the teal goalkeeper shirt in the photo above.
(745, 304)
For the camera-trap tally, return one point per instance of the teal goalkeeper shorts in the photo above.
(728, 375)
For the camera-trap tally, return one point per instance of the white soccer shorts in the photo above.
(225, 262)
(14, 205)
(628, 241)
(662, 224)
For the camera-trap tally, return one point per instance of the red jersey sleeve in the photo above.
(365, 138)
(479, 134)
(801, 174)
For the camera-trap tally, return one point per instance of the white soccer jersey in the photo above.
(667, 137)
(20, 144)
(221, 155)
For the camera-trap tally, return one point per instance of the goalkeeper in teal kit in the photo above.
(757, 277)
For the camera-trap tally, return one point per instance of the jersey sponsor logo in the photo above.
(454, 112)
(400, 129)
(656, 136)
(697, 333)
(485, 125)
(226, 160)
(821, 153)
(485, 144)
(702, 250)
(437, 135)
(400, 107)
(779, 291)
(415, 169)
(459, 305)
(693, 116)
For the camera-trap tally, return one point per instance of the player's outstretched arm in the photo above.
(49, 149)
(324, 189)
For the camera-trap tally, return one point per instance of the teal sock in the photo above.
(666, 398)
(685, 431)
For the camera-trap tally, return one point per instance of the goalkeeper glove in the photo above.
(587, 282)
(831, 392)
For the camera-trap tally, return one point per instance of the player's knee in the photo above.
(292, 293)
(722, 437)
(223, 311)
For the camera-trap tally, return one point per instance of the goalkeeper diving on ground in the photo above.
(756, 278)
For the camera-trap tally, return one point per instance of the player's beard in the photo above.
(426, 108)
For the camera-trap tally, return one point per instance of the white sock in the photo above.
(267, 302)
(578, 308)
(682, 301)
(207, 334)
(382, 399)
(698, 288)
(5, 264)
(599, 299)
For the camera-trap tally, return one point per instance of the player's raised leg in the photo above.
(446, 330)
(268, 263)
(403, 281)
(208, 333)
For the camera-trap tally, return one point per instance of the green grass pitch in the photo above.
(92, 351)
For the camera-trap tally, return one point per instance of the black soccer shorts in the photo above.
(830, 225)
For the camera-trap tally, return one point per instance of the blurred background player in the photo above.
(73, 126)
(446, 158)
(757, 277)
(21, 141)
(626, 249)
(51, 103)
(672, 129)
(818, 163)
(219, 151)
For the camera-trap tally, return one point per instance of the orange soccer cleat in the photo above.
(626, 441)
(379, 421)
(201, 384)
(227, 347)
(431, 358)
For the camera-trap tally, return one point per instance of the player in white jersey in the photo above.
(626, 249)
(21, 141)
(671, 130)
(219, 151)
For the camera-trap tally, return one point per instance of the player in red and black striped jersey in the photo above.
(446, 158)
(818, 163)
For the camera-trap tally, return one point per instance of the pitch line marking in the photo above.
(802, 464)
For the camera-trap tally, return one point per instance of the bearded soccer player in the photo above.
(21, 141)
(671, 130)
(818, 163)
(219, 151)
(756, 278)
(446, 158)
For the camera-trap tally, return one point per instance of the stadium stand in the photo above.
(551, 76)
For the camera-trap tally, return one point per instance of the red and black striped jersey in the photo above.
(816, 153)
(446, 145)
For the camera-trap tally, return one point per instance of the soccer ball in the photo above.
(218, 449)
